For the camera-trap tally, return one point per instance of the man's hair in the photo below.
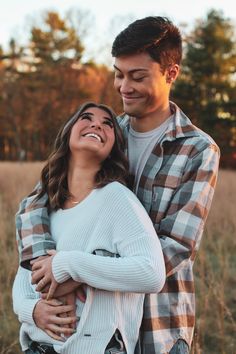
(54, 174)
(157, 36)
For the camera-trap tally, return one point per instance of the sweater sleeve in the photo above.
(24, 298)
(140, 267)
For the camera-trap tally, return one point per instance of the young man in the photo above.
(174, 167)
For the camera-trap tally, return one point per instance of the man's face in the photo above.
(144, 89)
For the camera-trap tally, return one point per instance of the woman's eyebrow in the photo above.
(92, 114)
(86, 114)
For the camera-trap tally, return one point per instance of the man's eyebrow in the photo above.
(131, 71)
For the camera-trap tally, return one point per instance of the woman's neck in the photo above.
(81, 181)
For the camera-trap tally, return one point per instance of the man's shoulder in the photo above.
(196, 136)
(186, 132)
(200, 140)
(204, 139)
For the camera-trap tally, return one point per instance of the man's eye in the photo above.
(139, 78)
(118, 76)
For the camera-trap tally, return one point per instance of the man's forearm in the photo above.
(32, 229)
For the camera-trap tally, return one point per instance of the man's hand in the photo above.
(42, 274)
(65, 288)
(47, 316)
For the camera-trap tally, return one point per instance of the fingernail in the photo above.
(59, 302)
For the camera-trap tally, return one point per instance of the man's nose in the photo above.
(125, 86)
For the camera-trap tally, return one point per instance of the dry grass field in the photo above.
(215, 267)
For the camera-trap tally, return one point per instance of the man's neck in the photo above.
(150, 121)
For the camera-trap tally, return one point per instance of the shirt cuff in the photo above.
(36, 250)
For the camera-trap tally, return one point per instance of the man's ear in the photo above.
(172, 73)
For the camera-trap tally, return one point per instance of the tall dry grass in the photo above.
(215, 267)
(215, 274)
(16, 180)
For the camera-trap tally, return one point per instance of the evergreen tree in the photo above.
(56, 41)
(206, 89)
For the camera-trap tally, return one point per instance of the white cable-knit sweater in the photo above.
(110, 221)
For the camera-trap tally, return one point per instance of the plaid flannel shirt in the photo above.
(176, 188)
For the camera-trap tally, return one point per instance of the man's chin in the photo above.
(132, 111)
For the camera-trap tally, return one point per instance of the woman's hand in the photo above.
(42, 274)
(55, 318)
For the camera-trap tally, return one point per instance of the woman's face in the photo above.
(93, 132)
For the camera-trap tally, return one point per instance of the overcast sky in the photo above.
(16, 15)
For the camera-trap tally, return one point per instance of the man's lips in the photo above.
(131, 98)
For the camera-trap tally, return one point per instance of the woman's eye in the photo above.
(109, 123)
(85, 116)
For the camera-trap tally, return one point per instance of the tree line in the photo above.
(43, 82)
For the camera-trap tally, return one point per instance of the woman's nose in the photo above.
(96, 125)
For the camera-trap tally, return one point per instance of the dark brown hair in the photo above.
(155, 35)
(54, 174)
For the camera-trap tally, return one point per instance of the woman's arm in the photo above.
(140, 267)
(33, 310)
(141, 270)
(24, 297)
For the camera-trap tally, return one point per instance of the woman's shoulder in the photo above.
(120, 193)
(117, 187)
(126, 206)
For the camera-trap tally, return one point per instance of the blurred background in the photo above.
(55, 55)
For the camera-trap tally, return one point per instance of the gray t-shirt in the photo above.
(140, 147)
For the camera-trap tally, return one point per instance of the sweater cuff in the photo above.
(59, 266)
(27, 309)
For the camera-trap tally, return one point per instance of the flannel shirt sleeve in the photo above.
(181, 229)
(33, 229)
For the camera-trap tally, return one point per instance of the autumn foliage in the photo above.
(43, 82)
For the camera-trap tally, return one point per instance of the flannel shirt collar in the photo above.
(180, 126)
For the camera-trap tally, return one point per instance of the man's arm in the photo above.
(180, 230)
(32, 228)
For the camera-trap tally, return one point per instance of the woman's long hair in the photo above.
(54, 174)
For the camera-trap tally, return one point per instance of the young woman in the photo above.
(104, 239)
